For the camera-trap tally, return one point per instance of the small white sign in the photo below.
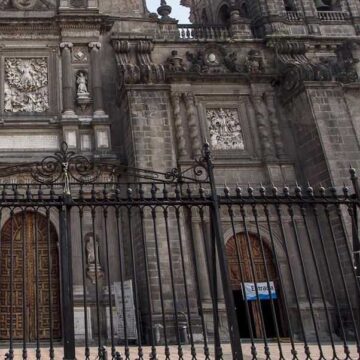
(264, 292)
(129, 310)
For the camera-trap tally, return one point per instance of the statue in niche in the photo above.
(83, 95)
(93, 258)
(81, 81)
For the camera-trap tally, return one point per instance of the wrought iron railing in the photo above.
(168, 263)
(203, 32)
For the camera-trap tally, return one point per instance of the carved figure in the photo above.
(225, 129)
(26, 85)
(254, 62)
(81, 81)
(93, 258)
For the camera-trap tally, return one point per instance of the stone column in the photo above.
(201, 262)
(96, 78)
(193, 124)
(180, 135)
(275, 127)
(263, 128)
(67, 79)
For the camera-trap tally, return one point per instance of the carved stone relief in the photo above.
(225, 129)
(80, 55)
(26, 85)
(27, 4)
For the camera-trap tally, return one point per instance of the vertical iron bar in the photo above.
(181, 244)
(37, 297)
(11, 347)
(196, 269)
(121, 250)
(253, 273)
(83, 264)
(135, 285)
(239, 257)
(292, 277)
(229, 300)
(273, 312)
(173, 290)
(113, 350)
(282, 288)
(24, 264)
(306, 280)
(95, 246)
(317, 270)
(215, 299)
(330, 276)
(67, 279)
(51, 351)
(153, 355)
(167, 350)
(347, 294)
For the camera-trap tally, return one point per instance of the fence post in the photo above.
(67, 280)
(223, 266)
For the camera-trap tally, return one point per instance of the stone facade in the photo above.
(272, 86)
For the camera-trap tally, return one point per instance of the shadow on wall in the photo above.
(179, 12)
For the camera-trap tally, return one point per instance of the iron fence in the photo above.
(165, 265)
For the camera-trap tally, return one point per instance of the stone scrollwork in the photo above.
(225, 129)
(26, 85)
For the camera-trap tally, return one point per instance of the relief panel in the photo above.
(27, 4)
(26, 85)
(225, 129)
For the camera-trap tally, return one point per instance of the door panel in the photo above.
(29, 231)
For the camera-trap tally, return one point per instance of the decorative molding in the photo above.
(225, 129)
(26, 85)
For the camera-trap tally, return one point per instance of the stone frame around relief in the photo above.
(206, 103)
(52, 91)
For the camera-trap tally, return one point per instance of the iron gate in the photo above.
(105, 261)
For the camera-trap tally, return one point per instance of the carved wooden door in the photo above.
(22, 229)
(259, 268)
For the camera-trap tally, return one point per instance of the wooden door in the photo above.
(241, 244)
(22, 229)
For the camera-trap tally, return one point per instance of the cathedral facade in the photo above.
(272, 87)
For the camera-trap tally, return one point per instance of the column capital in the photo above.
(94, 45)
(67, 45)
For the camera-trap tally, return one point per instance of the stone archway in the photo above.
(21, 230)
(240, 246)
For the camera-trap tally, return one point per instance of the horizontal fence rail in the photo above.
(167, 266)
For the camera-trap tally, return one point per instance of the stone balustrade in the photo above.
(332, 15)
(294, 15)
(201, 32)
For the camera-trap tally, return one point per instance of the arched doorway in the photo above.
(21, 228)
(240, 246)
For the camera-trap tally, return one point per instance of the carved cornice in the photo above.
(295, 67)
(135, 62)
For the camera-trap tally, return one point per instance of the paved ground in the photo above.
(187, 355)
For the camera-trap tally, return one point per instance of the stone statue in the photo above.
(81, 82)
(93, 258)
